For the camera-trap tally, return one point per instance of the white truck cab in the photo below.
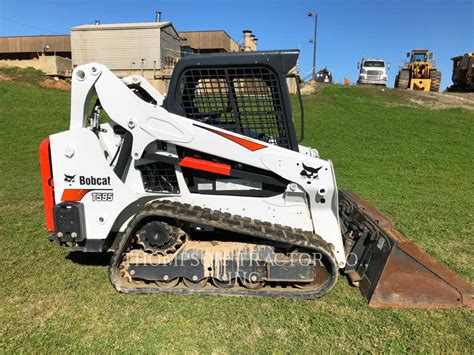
(373, 71)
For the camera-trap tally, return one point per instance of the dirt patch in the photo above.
(442, 100)
(23, 76)
(5, 78)
(307, 88)
(55, 84)
(310, 87)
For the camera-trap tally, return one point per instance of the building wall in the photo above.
(170, 49)
(233, 46)
(209, 41)
(292, 86)
(117, 48)
(35, 44)
(291, 81)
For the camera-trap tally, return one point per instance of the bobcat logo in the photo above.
(310, 173)
(69, 178)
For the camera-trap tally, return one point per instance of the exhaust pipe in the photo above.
(247, 47)
(391, 271)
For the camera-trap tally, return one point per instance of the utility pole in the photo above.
(315, 17)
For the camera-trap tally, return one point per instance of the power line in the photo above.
(26, 25)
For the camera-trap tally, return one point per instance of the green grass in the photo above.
(412, 163)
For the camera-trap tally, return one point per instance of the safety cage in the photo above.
(245, 93)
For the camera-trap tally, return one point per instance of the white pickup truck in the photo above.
(373, 71)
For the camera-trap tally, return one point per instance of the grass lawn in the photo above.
(413, 163)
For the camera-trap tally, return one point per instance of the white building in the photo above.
(150, 49)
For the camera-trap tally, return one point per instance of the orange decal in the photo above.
(74, 194)
(205, 165)
(240, 141)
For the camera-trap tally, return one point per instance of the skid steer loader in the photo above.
(208, 192)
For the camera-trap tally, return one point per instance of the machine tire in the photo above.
(403, 79)
(435, 76)
(396, 82)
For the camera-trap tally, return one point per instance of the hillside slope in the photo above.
(413, 163)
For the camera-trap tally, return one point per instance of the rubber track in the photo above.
(233, 223)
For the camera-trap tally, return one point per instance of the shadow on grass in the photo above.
(98, 259)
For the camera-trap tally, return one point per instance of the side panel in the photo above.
(81, 173)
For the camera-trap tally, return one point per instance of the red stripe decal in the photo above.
(240, 141)
(74, 194)
(205, 165)
(47, 183)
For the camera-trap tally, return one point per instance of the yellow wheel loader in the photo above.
(419, 73)
(209, 192)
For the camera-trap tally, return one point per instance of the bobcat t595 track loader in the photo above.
(208, 192)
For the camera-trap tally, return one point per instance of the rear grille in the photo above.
(159, 177)
(245, 100)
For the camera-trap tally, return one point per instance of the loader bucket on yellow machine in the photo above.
(390, 270)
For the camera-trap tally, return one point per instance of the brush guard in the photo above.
(389, 270)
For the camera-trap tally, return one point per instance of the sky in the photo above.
(347, 29)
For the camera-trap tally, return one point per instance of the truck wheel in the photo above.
(435, 77)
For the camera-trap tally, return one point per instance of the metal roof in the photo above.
(120, 26)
